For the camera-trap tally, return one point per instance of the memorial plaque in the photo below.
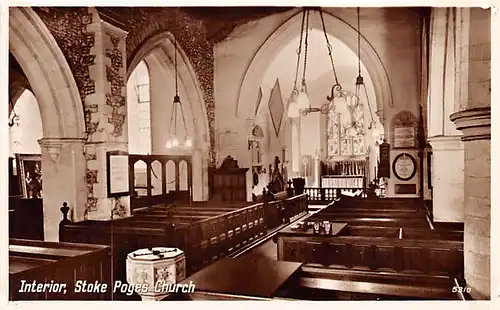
(117, 169)
(404, 137)
(404, 166)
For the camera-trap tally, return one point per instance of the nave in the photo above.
(324, 153)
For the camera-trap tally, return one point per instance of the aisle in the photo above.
(268, 249)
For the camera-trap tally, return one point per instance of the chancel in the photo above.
(249, 153)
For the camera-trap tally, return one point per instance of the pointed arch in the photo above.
(286, 32)
(49, 74)
(162, 46)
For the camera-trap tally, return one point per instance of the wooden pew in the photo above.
(267, 279)
(203, 238)
(60, 263)
(402, 233)
(433, 257)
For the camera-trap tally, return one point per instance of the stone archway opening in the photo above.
(158, 54)
(61, 112)
(312, 129)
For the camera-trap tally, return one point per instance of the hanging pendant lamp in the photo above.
(361, 91)
(175, 141)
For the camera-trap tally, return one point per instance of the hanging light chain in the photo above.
(175, 65)
(305, 48)
(359, 45)
(299, 50)
(329, 46)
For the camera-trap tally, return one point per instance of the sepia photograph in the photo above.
(251, 153)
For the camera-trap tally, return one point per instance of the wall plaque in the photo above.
(404, 167)
(406, 189)
(118, 173)
(404, 137)
(404, 130)
(384, 170)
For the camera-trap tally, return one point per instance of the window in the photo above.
(345, 131)
(139, 116)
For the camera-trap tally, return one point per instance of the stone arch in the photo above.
(161, 46)
(61, 110)
(286, 32)
(48, 72)
(158, 53)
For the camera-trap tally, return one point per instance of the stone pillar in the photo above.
(444, 99)
(63, 170)
(108, 112)
(447, 178)
(474, 121)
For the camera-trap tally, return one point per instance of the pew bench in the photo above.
(57, 264)
(264, 279)
(433, 257)
(402, 233)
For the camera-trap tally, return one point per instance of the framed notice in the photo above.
(404, 167)
(118, 173)
(29, 171)
(384, 168)
(404, 137)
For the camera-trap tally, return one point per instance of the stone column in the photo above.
(63, 170)
(107, 107)
(474, 121)
(444, 99)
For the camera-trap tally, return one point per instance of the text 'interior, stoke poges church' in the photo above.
(249, 153)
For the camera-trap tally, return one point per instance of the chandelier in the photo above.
(176, 140)
(298, 102)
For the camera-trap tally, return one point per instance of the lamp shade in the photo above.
(188, 143)
(303, 101)
(293, 111)
(175, 142)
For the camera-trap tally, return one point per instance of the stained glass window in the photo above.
(345, 132)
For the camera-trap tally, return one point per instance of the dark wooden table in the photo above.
(251, 276)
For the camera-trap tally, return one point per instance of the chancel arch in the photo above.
(287, 32)
(158, 53)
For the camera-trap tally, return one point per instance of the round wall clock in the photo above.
(404, 166)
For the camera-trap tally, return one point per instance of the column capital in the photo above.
(475, 124)
(446, 143)
(54, 146)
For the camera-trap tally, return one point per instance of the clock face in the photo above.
(404, 166)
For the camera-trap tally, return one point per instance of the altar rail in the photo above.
(326, 195)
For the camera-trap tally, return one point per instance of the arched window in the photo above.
(26, 127)
(138, 111)
(345, 133)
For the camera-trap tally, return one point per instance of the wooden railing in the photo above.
(325, 195)
(208, 240)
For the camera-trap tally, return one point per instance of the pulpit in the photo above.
(230, 182)
(154, 272)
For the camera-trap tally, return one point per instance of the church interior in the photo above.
(256, 153)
